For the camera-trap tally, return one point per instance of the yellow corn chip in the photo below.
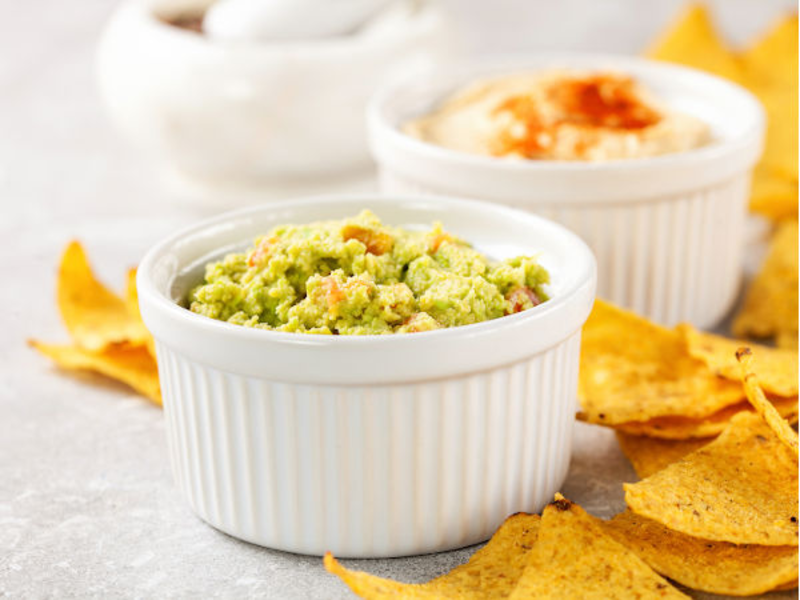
(649, 455)
(740, 488)
(770, 305)
(131, 365)
(787, 586)
(764, 407)
(95, 317)
(772, 60)
(715, 567)
(683, 428)
(773, 196)
(132, 295)
(575, 558)
(770, 68)
(777, 368)
(780, 143)
(692, 41)
(634, 370)
(132, 303)
(492, 572)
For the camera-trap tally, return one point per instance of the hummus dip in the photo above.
(559, 115)
(359, 276)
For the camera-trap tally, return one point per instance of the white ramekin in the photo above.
(667, 231)
(375, 445)
(225, 114)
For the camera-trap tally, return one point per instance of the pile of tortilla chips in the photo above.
(107, 331)
(717, 515)
(723, 518)
(675, 384)
(567, 553)
(669, 392)
(768, 68)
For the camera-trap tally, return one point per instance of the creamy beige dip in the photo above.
(559, 115)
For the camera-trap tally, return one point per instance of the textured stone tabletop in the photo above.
(87, 503)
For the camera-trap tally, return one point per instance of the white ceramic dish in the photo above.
(228, 114)
(375, 445)
(667, 231)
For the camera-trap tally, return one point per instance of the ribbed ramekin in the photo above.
(369, 445)
(667, 231)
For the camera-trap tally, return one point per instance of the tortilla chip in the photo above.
(492, 572)
(634, 370)
(772, 60)
(682, 428)
(780, 144)
(575, 558)
(777, 368)
(692, 41)
(773, 196)
(131, 365)
(95, 317)
(649, 455)
(740, 488)
(715, 567)
(780, 427)
(132, 295)
(770, 68)
(792, 585)
(770, 305)
(786, 339)
(132, 303)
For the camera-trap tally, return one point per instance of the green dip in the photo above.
(358, 276)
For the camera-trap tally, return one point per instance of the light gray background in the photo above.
(87, 504)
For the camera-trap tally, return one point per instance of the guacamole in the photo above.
(358, 276)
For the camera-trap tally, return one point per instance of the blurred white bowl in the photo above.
(240, 113)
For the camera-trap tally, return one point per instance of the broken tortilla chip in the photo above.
(777, 368)
(693, 42)
(715, 567)
(770, 304)
(780, 427)
(575, 558)
(492, 572)
(95, 317)
(649, 455)
(740, 488)
(131, 365)
(634, 370)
